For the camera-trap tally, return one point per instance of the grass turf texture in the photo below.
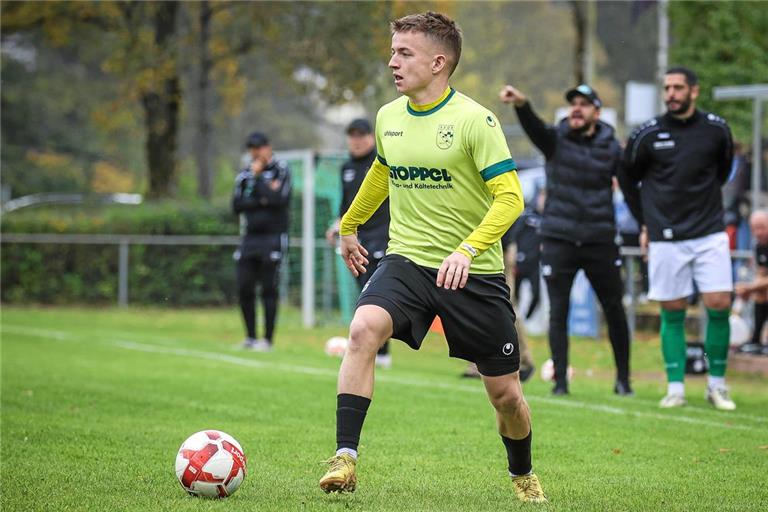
(95, 404)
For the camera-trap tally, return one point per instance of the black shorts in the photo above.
(478, 320)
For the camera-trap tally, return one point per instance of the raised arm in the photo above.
(541, 134)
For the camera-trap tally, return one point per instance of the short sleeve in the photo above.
(488, 146)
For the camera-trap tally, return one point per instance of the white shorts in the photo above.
(674, 266)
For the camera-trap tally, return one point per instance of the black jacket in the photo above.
(264, 199)
(672, 172)
(375, 232)
(524, 233)
(579, 205)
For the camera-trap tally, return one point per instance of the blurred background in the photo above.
(123, 123)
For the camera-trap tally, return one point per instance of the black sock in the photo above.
(384, 350)
(519, 454)
(761, 314)
(350, 414)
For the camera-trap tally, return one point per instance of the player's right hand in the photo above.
(257, 165)
(742, 291)
(509, 94)
(644, 243)
(353, 254)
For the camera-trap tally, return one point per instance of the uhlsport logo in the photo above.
(507, 349)
(444, 136)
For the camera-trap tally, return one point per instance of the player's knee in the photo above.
(718, 301)
(364, 336)
(509, 400)
(246, 293)
(269, 292)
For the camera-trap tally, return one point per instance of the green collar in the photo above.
(431, 108)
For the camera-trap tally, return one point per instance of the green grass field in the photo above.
(95, 403)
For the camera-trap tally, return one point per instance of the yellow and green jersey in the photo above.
(439, 158)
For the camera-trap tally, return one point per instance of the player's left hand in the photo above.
(453, 272)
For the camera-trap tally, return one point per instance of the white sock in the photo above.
(676, 388)
(715, 382)
(348, 451)
(527, 474)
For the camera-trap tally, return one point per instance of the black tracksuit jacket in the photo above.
(375, 232)
(264, 199)
(672, 172)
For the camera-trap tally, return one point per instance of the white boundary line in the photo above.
(417, 382)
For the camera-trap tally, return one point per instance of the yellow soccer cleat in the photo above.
(528, 489)
(340, 476)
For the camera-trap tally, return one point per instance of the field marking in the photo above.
(416, 382)
(309, 370)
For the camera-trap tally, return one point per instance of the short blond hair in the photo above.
(436, 26)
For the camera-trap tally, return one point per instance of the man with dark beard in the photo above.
(578, 229)
(673, 169)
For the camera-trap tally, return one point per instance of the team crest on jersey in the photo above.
(444, 136)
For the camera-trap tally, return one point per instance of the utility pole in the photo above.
(662, 55)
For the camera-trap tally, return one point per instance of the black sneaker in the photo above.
(560, 389)
(623, 388)
(526, 371)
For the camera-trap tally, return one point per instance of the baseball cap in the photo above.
(257, 140)
(587, 92)
(360, 125)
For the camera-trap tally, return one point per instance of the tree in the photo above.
(726, 44)
(142, 37)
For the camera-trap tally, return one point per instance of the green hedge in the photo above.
(160, 218)
(159, 275)
(63, 274)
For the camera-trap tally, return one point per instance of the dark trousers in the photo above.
(532, 276)
(561, 260)
(262, 270)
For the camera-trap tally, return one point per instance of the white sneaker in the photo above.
(718, 396)
(248, 343)
(384, 361)
(672, 400)
(261, 345)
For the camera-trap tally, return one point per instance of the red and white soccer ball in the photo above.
(336, 346)
(210, 464)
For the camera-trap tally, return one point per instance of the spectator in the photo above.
(578, 227)
(374, 234)
(758, 288)
(261, 198)
(674, 167)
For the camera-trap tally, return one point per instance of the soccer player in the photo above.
(757, 289)
(578, 227)
(673, 168)
(374, 234)
(443, 161)
(262, 196)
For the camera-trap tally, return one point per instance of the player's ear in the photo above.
(695, 91)
(439, 63)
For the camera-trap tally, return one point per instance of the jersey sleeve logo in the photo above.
(491, 121)
(445, 136)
